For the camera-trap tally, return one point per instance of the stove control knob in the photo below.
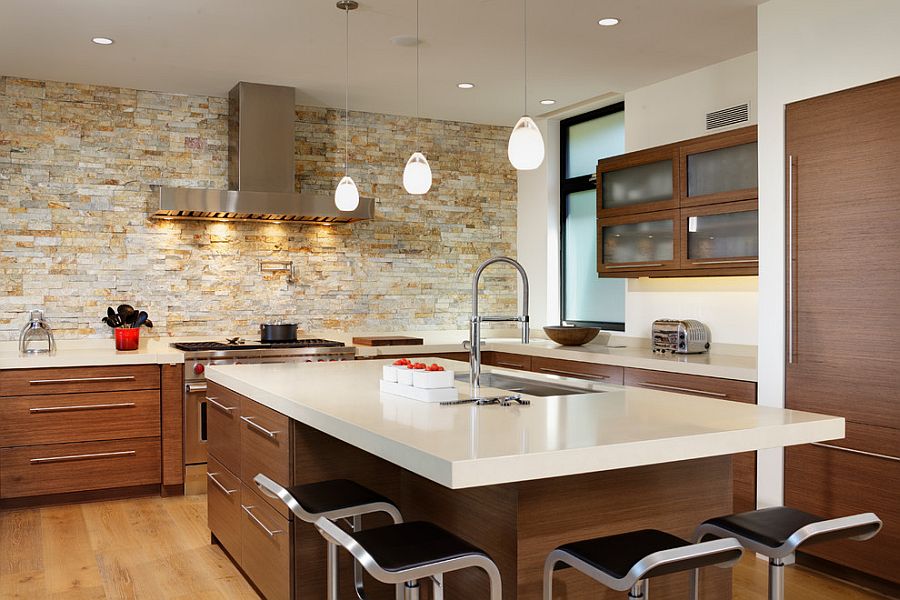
(199, 368)
(308, 360)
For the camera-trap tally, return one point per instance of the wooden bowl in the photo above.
(571, 336)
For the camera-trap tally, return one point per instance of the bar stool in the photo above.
(333, 499)
(627, 560)
(406, 552)
(778, 531)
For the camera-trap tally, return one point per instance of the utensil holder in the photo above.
(128, 338)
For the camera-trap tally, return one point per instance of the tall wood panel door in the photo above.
(843, 305)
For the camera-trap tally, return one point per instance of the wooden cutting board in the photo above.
(387, 340)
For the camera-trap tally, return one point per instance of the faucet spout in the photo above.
(477, 319)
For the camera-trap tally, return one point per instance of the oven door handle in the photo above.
(193, 388)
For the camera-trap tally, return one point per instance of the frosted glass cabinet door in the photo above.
(637, 182)
(631, 244)
(722, 236)
(721, 168)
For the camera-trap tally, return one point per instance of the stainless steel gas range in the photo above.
(199, 355)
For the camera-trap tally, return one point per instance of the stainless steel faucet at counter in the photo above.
(477, 320)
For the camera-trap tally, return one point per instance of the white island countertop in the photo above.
(464, 446)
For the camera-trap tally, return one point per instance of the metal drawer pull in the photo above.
(54, 409)
(212, 477)
(259, 428)
(682, 389)
(269, 532)
(195, 387)
(219, 405)
(510, 365)
(55, 459)
(854, 451)
(573, 374)
(82, 379)
(638, 266)
(725, 262)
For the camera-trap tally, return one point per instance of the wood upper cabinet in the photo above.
(719, 168)
(638, 182)
(638, 243)
(720, 236)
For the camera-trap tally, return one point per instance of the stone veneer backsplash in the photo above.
(76, 165)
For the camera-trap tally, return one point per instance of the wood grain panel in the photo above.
(507, 360)
(62, 418)
(262, 453)
(90, 468)
(265, 557)
(844, 253)
(26, 382)
(582, 370)
(172, 432)
(834, 483)
(223, 427)
(224, 507)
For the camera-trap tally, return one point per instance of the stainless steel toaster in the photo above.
(679, 336)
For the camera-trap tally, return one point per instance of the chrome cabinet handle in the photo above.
(510, 365)
(259, 428)
(214, 401)
(212, 477)
(854, 451)
(192, 388)
(790, 260)
(269, 532)
(573, 373)
(54, 409)
(682, 389)
(73, 457)
(725, 262)
(638, 266)
(82, 379)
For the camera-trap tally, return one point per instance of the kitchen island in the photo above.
(517, 481)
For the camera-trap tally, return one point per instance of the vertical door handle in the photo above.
(790, 259)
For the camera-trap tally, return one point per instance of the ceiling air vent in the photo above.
(728, 116)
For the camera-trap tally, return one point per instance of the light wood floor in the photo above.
(158, 548)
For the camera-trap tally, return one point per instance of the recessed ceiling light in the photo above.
(103, 41)
(548, 102)
(608, 22)
(465, 86)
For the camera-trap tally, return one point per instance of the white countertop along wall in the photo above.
(90, 352)
(461, 446)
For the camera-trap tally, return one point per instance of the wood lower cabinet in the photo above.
(842, 218)
(73, 380)
(581, 370)
(506, 360)
(744, 463)
(246, 438)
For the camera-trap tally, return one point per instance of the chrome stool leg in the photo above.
(332, 554)
(776, 579)
(412, 590)
(637, 591)
(437, 587)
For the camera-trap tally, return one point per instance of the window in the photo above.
(587, 299)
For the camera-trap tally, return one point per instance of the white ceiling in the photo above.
(205, 46)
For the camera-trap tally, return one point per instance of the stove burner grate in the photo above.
(215, 346)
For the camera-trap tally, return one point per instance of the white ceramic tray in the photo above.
(420, 394)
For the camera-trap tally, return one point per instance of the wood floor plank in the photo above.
(22, 585)
(20, 541)
(70, 564)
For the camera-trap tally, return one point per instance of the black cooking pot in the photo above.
(277, 332)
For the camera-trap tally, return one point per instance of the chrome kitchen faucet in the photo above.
(477, 320)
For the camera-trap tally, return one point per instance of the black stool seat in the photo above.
(336, 494)
(616, 555)
(412, 545)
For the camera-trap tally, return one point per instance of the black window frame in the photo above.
(571, 185)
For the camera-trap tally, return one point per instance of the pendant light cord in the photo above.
(347, 97)
(418, 43)
(525, 52)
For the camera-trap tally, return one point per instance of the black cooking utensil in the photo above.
(124, 311)
(112, 319)
(148, 323)
(140, 320)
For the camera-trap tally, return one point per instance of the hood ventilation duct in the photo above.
(260, 169)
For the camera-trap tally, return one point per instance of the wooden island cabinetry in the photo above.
(75, 433)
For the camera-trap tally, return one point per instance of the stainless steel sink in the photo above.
(525, 386)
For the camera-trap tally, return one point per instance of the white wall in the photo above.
(806, 48)
(675, 109)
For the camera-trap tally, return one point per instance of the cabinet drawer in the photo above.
(834, 482)
(572, 368)
(31, 420)
(223, 426)
(265, 546)
(507, 360)
(265, 447)
(713, 387)
(25, 382)
(58, 468)
(223, 500)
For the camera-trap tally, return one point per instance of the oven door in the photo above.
(195, 423)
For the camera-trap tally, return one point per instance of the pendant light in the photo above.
(417, 173)
(346, 195)
(526, 144)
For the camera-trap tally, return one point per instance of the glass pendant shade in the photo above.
(417, 174)
(346, 196)
(526, 145)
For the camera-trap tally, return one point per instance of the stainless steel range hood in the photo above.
(260, 169)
